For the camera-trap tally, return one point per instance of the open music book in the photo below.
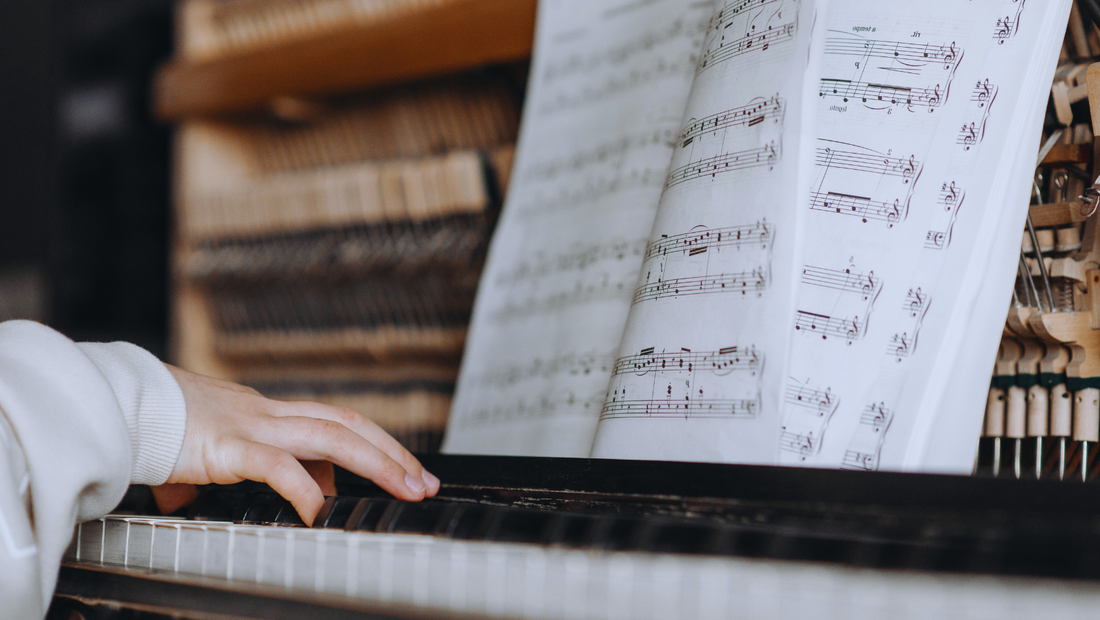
(759, 231)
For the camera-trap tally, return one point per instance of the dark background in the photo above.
(84, 169)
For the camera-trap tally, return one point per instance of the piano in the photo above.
(511, 537)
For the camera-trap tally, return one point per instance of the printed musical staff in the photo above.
(943, 221)
(685, 383)
(577, 260)
(907, 54)
(1007, 26)
(843, 280)
(870, 162)
(703, 408)
(702, 239)
(720, 362)
(864, 183)
(847, 328)
(864, 451)
(573, 65)
(757, 111)
(904, 343)
(760, 157)
(703, 261)
(882, 96)
(748, 27)
(807, 418)
(862, 207)
(981, 102)
(611, 153)
(571, 364)
(744, 282)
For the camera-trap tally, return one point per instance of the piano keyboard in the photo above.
(550, 538)
(530, 581)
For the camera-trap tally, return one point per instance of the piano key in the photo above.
(366, 515)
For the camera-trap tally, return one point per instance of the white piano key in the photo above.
(139, 542)
(191, 545)
(535, 582)
(165, 546)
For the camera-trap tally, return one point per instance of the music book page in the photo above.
(810, 280)
(608, 84)
(699, 371)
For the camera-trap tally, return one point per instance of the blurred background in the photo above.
(85, 168)
(292, 194)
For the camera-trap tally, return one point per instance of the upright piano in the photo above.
(511, 537)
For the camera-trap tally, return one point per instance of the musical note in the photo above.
(746, 28)
(578, 260)
(904, 343)
(913, 55)
(760, 157)
(981, 103)
(703, 261)
(693, 390)
(881, 96)
(807, 418)
(942, 227)
(845, 280)
(744, 282)
(866, 444)
(752, 114)
(847, 328)
(702, 239)
(876, 173)
(1007, 26)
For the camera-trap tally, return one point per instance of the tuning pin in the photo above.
(1016, 423)
(1038, 421)
(995, 424)
(1086, 423)
(1061, 422)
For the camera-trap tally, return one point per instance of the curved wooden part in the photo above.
(1016, 324)
(426, 40)
(1072, 329)
(1008, 355)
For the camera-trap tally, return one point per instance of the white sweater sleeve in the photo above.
(77, 424)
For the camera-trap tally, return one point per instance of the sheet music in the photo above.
(608, 85)
(699, 373)
(914, 111)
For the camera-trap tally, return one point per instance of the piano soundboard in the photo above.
(575, 538)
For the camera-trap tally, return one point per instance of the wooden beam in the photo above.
(1057, 214)
(427, 40)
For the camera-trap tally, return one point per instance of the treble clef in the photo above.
(893, 213)
(950, 197)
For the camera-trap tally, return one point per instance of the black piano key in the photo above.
(335, 512)
(570, 530)
(281, 512)
(217, 504)
(617, 534)
(416, 518)
(253, 509)
(471, 522)
(366, 515)
(680, 539)
(520, 526)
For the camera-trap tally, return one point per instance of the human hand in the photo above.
(233, 434)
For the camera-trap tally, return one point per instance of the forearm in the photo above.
(79, 420)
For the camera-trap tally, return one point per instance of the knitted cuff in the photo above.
(152, 403)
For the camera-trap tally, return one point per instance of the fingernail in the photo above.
(417, 486)
(431, 480)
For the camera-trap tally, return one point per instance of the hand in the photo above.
(233, 434)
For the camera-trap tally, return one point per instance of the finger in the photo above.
(323, 475)
(282, 472)
(317, 439)
(171, 497)
(370, 431)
